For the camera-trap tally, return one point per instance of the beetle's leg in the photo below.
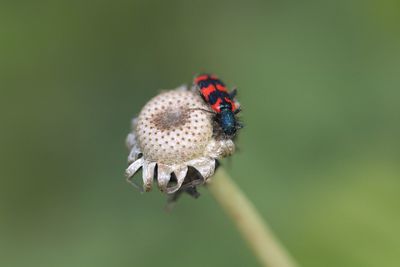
(233, 93)
(239, 125)
(237, 110)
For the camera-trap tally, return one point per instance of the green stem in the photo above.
(249, 222)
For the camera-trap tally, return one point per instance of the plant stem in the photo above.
(249, 222)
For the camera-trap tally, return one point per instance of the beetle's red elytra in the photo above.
(214, 92)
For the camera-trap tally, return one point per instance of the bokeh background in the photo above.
(319, 85)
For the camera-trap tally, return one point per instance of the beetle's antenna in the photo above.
(205, 110)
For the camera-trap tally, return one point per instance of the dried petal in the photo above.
(164, 175)
(148, 175)
(205, 166)
(180, 174)
(134, 167)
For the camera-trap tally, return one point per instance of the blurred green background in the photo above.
(319, 85)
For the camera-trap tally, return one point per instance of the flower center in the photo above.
(172, 128)
(171, 118)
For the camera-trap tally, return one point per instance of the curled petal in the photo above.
(133, 168)
(134, 154)
(148, 175)
(180, 174)
(220, 148)
(163, 176)
(205, 166)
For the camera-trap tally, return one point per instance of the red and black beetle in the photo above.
(215, 93)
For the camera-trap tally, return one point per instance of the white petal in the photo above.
(206, 166)
(180, 174)
(134, 123)
(163, 176)
(148, 175)
(133, 168)
(183, 87)
(130, 140)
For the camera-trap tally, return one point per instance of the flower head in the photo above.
(174, 132)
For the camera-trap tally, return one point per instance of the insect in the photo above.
(215, 93)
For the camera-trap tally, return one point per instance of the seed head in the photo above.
(174, 131)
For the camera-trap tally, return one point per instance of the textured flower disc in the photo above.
(174, 127)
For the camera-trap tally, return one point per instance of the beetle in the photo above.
(215, 93)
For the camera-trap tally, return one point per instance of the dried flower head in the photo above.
(173, 132)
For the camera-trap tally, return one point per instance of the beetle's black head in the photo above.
(228, 122)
